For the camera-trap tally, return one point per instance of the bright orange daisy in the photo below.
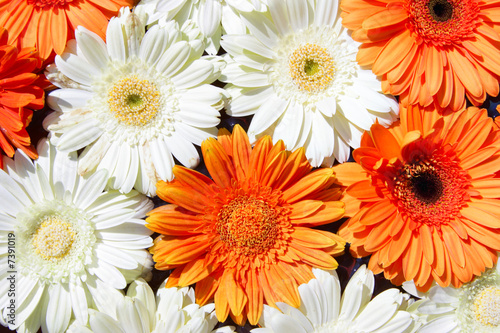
(244, 237)
(429, 51)
(49, 24)
(19, 94)
(424, 197)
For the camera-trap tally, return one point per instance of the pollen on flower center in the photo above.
(443, 22)
(248, 225)
(487, 307)
(134, 101)
(53, 239)
(311, 67)
(48, 3)
(431, 189)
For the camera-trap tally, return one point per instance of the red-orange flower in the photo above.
(424, 197)
(49, 24)
(18, 94)
(429, 51)
(244, 236)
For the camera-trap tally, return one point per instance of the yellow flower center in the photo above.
(487, 307)
(53, 238)
(134, 101)
(311, 67)
(248, 225)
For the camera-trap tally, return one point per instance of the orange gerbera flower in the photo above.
(429, 51)
(18, 94)
(424, 197)
(49, 24)
(244, 236)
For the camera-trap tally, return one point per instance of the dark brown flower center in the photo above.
(440, 10)
(426, 186)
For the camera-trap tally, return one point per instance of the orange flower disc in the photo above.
(424, 199)
(245, 237)
(49, 24)
(431, 51)
(19, 93)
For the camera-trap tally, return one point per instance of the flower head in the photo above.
(139, 101)
(49, 24)
(74, 244)
(474, 307)
(423, 197)
(172, 310)
(295, 70)
(19, 94)
(244, 236)
(429, 52)
(323, 310)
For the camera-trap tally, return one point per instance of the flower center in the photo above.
(311, 67)
(443, 22)
(53, 238)
(48, 3)
(431, 189)
(133, 101)
(248, 225)
(487, 307)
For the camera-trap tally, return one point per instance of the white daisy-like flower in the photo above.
(173, 310)
(73, 243)
(214, 17)
(296, 71)
(136, 102)
(474, 307)
(323, 310)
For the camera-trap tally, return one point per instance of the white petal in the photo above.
(282, 323)
(348, 131)
(90, 189)
(261, 27)
(357, 293)
(356, 113)
(289, 126)
(209, 17)
(64, 172)
(120, 173)
(114, 257)
(92, 47)
(310, 305)
(133, 170)
(25, 170)
(58, 309)
(28, 298)
(79, 301)
(137, 244)
(115, 40)
(320, 143)
(197, 73)
(12, 196)
(442, 324)
(326, 13)
(76, 68)
(198, 114)
(379, 310)
(112, 201)
(124, 232)
(92, 156)
(399, 323)
(102, 323)
(183, 150)
(162, 159)
(79, 136)
(67, 99)
(174, 58)
(235, 44)
(207, 94)
(194, 134)
(267, 114)
(154, 43)
(246, 102)
(341, 149)
(113, 218)
(128, 317)
(46, 187)
(298, 316)
(110, 158)
(327, 106)
(280, 17)
(109, 274)
(298, 14)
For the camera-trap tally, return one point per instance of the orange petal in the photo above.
(255, 297)
(218, 163)
(235, 294)
(316, 258)
(330, 211)
(309, 184)
(180, 195)
(241, 152)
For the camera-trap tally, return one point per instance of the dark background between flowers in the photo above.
(347, 264)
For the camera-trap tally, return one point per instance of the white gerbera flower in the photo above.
(136, 102)
(322, 310)
(474, 307)
(208, 15)
(173, 310)
(73, 243)
(297, 72)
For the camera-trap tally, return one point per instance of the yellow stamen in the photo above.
(53, 238)
(311, 67)
(487, 307)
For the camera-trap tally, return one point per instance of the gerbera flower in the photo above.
(139, 101)
(208, 15)
(244, 236)
(49, 24)
(74, 243)
(424, 197)
(429, 51)
(322, 310)
(19, 94)
(474, 307)
(296, 71)
(173, 310)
